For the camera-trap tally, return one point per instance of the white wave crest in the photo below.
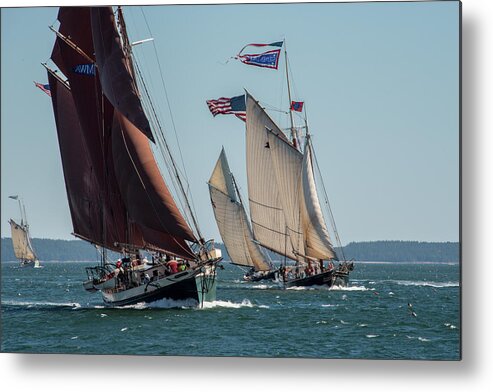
(425, 283)
(232, 305)
(349, 288)
(43, 304)
(372, 336)
(261, 287)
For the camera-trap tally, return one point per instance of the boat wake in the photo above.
(188, 304)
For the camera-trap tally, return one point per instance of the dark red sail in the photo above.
(116, 79)
(126, 190)
(146, 196)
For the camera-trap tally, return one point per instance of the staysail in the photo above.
(23, 249)
(317, 239)
(117, 196)
(232, 220)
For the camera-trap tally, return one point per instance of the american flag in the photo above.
(235, 105)
(43, 87)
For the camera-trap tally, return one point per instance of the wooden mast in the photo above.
(293, 132)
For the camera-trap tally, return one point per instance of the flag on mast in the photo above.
(234, 105)
(43, 87)
(269, 59)
(297, 106)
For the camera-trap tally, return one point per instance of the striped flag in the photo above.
(235, 105)
(43, 87)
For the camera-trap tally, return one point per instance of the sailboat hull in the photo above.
(328, 278)
(189, 285)
(271, 275)
(29, 264)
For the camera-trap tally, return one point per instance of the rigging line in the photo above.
(161, 146)
(162, 139)
(170, 112)
(156, 119)
(332, 220)
(146, 191)
(138, 174)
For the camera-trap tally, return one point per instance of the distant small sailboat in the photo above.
(233, 224)
(21, 240)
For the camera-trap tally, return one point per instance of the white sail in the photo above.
(317, 239)
(22, 244)
(286, 163)
(232, 220)
(266, 209)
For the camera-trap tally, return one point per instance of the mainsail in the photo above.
(284, 205)
(23, 249)
(117, 197)
(232, 220)
(266, 210)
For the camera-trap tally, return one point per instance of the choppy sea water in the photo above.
(46, 310)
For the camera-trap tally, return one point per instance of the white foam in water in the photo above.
(329, 306)
(228, 304)
(164, 303)
(372, 336)
(31, 304)
(123, 329)
(261, 287)
(362, 325)
(425, 283)
(423, 339)
(349, 288)
(451, 326)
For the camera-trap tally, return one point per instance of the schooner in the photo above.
(285, 212)
(21, 240)
(117, 197)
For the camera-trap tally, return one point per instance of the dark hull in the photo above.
(270, 276)
(328, 278)
(195, 288)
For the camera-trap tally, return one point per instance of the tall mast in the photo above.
(293, 135)
(134, 67)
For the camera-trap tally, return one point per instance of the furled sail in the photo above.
(116, 193)
(266, 209)
(232, 220)
(317, 240)
(23, 249)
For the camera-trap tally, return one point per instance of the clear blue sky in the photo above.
(380, 82)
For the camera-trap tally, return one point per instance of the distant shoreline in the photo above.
(367, 251)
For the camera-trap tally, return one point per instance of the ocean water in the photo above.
(46, 310)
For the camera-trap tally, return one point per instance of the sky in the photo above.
(380, 82)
